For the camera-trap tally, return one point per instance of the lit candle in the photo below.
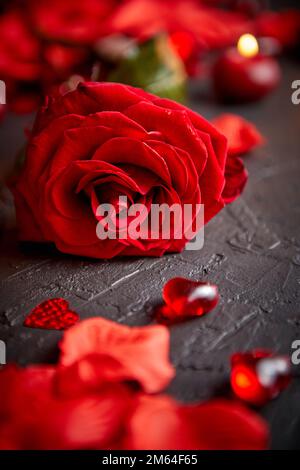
(244, 73)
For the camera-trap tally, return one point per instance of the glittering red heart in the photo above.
(184, 298)
(53, 314)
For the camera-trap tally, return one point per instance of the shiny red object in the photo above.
(259, 376)
(190, 298)
(53, 314)
(241, 79)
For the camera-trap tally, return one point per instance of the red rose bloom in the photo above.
(107, 140)
(70, 21)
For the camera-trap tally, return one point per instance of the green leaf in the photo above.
(155, 67)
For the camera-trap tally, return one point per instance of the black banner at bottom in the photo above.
(135, 459)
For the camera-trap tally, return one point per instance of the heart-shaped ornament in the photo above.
(185, 297)
(53, 314)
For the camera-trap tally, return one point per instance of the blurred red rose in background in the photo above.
(29, 66)
(284, 26)
(217, 424)
(20, 51)
(70, 21)
(195, 27)
(107, 140)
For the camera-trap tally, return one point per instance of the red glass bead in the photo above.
(259, 376)
(53, 314)
(185, 297)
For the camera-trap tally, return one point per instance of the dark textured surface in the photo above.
(252, 251)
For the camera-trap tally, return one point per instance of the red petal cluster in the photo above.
(242, 137)
(105, 140)
(97, 397)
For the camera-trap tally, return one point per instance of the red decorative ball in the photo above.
(244, 79)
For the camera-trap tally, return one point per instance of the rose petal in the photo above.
(214, 425)
(242, 135)
(142, 351)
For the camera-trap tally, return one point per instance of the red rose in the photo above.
(107, 140)
(70, 21)
(30, 66)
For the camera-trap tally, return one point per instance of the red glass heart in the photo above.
(190, 298)
(53, 314)
(259, 376)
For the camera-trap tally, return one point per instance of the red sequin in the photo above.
(259, 376)
(53, 314)
(184, 297)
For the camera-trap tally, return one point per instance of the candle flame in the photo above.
(248, 46)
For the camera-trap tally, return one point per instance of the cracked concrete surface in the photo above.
(251, 251)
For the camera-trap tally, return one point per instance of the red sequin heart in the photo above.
(259, 376)
(53, 314)
(184, 297)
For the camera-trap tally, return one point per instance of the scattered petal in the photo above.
(214, 425)
(242, 135)
(142, 354)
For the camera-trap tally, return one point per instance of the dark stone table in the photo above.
(251, 251)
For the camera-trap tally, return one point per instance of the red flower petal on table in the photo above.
(34, 416)
(90, 374)
(242, 135)
(236, 177)
(53, 314)
(141, 354)
(214, 425)
(88, 422)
